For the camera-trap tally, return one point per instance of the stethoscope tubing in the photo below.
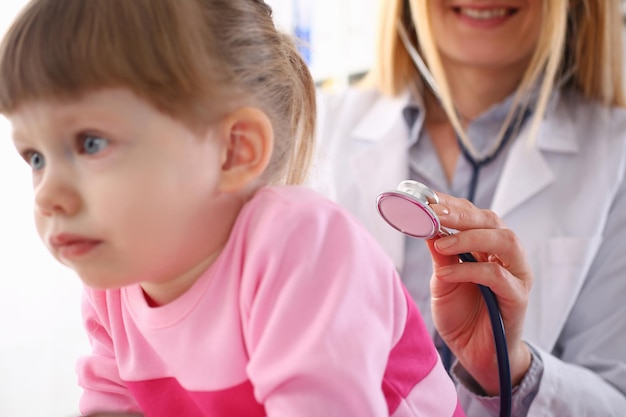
(499, 338)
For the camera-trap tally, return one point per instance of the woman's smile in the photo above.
(485, 17)
(484, 13)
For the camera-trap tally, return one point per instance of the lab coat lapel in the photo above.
(526, 171)
(381, 131)
(525, 174)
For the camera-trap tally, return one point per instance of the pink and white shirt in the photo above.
(302, 314)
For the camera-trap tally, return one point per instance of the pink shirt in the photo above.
(302, 314)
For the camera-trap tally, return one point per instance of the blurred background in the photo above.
(336, 37)
(40, 328)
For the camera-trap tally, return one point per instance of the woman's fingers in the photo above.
(482, 233)
(495, 246)
(511, 289)
(460, 214)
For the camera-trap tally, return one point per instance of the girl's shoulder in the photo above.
(291, 204)
(291, 213)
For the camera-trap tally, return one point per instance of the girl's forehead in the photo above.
(105, 104)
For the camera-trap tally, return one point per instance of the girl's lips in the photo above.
(77, 249)
(72, 246)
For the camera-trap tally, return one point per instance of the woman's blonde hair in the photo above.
(194, 60)
(580, 46)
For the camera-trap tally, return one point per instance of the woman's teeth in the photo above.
(483, 14)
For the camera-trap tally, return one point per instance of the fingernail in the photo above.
(443, 271)
(441, 210)
(446, 242)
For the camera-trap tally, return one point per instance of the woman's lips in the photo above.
(484, 16)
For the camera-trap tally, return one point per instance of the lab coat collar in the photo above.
(382, 117)
(557, 133)
(526, 171)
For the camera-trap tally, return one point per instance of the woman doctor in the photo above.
(524, 116)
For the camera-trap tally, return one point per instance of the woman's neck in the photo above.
(474, 90)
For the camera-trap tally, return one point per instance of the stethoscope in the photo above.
(407, 209)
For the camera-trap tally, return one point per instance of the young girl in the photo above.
(163, 136)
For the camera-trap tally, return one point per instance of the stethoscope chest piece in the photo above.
(407, 209)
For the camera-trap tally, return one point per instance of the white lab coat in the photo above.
(557, 195)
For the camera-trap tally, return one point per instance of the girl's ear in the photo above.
(249, 139)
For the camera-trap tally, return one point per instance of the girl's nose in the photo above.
(56, 193)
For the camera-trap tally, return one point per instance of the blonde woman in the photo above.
(520, 110)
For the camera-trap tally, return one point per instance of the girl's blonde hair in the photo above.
(194, 60)
(580, 46)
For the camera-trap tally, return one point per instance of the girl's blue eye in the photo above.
(35, 160)
(91, 144)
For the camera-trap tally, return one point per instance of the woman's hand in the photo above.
(459, 312)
